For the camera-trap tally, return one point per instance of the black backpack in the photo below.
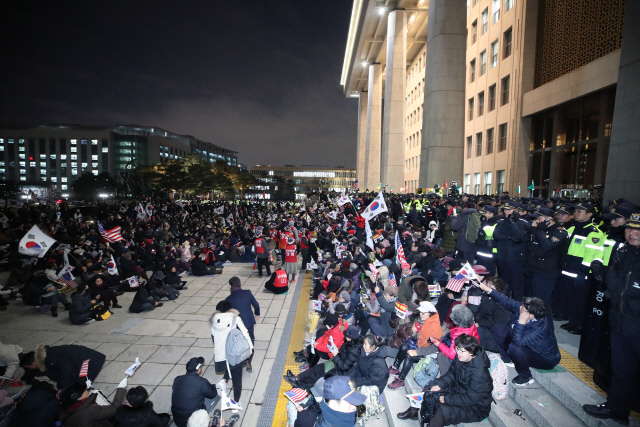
(429, 406)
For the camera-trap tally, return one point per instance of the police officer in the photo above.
(623, 289)
(615, 230)
(547, 241)
(510, 234)
(486, 251)
(586, 243)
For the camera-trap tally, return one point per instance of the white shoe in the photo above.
(89, 321)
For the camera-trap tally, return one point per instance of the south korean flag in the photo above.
(376, 207)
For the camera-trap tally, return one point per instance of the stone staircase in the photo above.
(554, 400)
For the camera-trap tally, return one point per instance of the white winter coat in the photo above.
(220, 328)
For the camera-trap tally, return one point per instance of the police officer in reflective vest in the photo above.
(623, 289)
(262, 253)
(547, 242)
(486, 250)
(586, 243)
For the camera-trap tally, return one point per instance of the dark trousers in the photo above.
(487, 340)
(404, 362)
(305, 257)
(308, 378)
(522, 357)
(542, 284)
(469, 256)
(511, 271)
(561, 296)
(625, 363)
(54, 299)
(253, 340)
(108, 296)
(314, 358)
(236, 380)
(263, 262)
(579, 298)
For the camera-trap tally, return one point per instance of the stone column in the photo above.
(444, 101)
(374, 128)
(361, 150)
(623, 174)
(392, 169)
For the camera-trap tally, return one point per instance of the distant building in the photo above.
(48, 159)
(283, 182)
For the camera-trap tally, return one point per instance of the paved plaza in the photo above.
(164, 339)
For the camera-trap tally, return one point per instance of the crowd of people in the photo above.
(441, 288)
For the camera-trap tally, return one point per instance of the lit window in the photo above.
(94, 157)
(23, 178)
(63, 164)
(43, 178)
(63, 157)
(74, 164)
(105, 149)
(54, 179)
(1, 140)
(43, 164)
(10, 141)
(74, 141)
(74, 171)
(43, 171)
(94, 142)
(94, 165)
(23, 164)
(1, 170)
(74, 157)
(74, 149)
(43, 156)
(84, 165)
(63, 187)
(21, 149)
(21, 141)
(32, 164)
(1, 147)
(23, 171)
(95, 172)
(64, 179)
(52, 156)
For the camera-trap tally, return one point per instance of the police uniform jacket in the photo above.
(623, 288)
(510, 235)
(546, 246)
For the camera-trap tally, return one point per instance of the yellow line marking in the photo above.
(585, 373)
(295, 343)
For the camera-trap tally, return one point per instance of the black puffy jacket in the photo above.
(189, 392)
(142, 416)
(39, 407)
(623, 288)
(80, 310)
(467, 388)
(371, 369)
(347, 356)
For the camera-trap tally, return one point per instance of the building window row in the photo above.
(488, 182)
(413, 140)
(505, 84)
(502, 143)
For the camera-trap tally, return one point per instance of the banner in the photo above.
(401, 310)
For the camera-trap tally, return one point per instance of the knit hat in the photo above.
(330, 320)
(352, 332)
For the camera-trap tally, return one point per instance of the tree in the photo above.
(243, 180)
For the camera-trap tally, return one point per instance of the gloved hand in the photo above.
(514, 217)
(88, 383)
(123, 383)
(599, 270)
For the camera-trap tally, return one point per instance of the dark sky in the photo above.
(258, 77)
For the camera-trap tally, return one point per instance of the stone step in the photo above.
(572, 392)
(542, 408)
(502, 414)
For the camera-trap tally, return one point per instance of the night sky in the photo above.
(258, 77)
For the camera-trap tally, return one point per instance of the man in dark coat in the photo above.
(39, 407)
(466, 249)
(242, 300)
(81, 310)
(510, 236)
(62, 363)
(190, 391)
(139, 411)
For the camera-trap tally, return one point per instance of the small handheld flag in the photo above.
(84, 369)
(296, 395)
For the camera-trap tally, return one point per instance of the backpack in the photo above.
(429, 406)
(500, 376)
(237, 348)
(473, 227)
(101, 312)
(425, 371)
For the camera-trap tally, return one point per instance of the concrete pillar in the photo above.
(392, 169)
(361, 150)
(623, 174)
(374, 128)
(444, 100)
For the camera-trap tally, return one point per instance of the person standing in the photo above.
(622, 278)
(486, 251)
(510, 235)
(262, 252)
(548, 240)
(290, 259)
(189, 392)
(304, 248)
(243, 301)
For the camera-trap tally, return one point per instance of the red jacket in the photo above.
(450, 351)
(337, 332)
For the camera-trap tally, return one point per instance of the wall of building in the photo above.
(413, 121)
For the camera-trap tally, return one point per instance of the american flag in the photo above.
(67, 279)
(392, 280)
(456, 283)
(374, 271)
(112, 235)
(355, 184)
(84, 369)
(296, 394)
(399, 251)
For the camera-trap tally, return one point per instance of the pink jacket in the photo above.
(450, 351)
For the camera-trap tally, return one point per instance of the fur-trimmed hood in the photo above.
(40, 354)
